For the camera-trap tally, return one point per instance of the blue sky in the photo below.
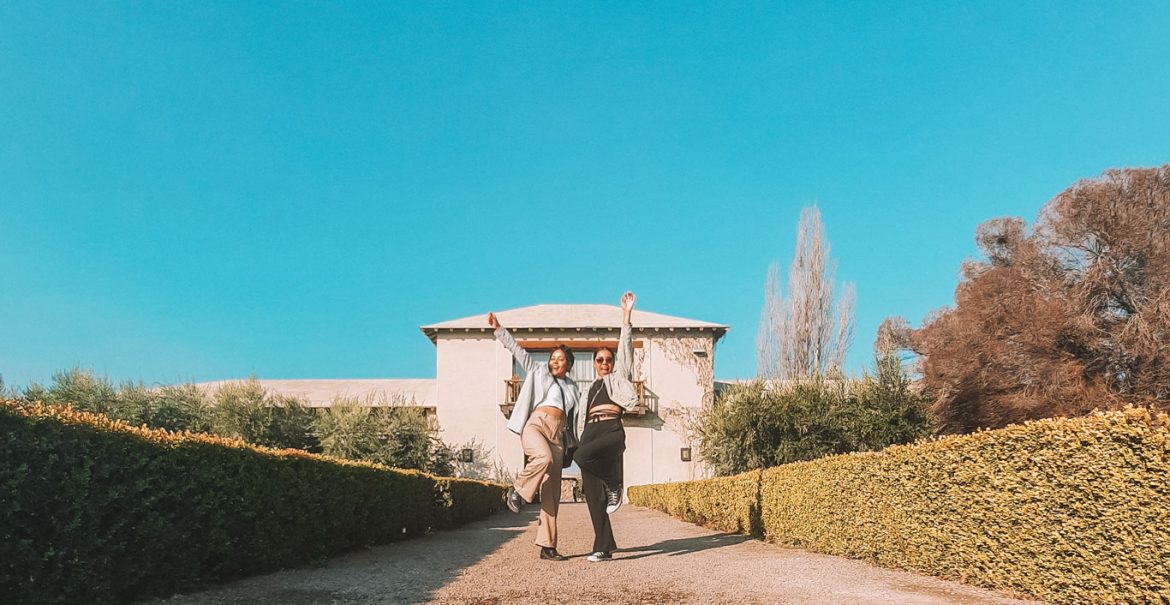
(205, 190)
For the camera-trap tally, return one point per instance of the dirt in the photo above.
(661, 560)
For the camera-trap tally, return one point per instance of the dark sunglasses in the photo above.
(603, 359)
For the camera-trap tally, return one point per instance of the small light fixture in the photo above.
(466, 455)
(685, 454)
(699, 352)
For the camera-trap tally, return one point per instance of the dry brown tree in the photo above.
(1071, 317)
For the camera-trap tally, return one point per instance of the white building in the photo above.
(477, 380)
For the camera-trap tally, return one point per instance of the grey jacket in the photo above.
(618, 383)
(537, 381)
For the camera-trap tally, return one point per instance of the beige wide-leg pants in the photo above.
(541, 440)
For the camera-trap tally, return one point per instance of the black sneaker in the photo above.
(599, 556)
(551, 554)
(514, 500)
(613, 500)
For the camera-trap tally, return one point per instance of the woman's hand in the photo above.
(628, 300)
(492, 321)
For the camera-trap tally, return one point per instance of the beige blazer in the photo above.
(537, 381)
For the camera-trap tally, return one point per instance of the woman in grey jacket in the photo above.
(545, 408)
(603, 439)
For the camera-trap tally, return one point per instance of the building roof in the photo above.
(573, 317)
(320, 392)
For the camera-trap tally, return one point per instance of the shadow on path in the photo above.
(682, 546)
(401, 572)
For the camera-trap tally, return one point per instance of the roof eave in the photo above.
(432, 332)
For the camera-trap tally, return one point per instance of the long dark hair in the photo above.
(568, 357)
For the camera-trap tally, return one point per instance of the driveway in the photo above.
(662, 560)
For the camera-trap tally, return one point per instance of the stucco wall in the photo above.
(677, 381)
(471, 369)
(469, 373)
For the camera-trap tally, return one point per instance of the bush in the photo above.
(98, 511)
(884, 410)
(390, 433)
(174, 408)
(386, 431)
(79, 388)
(243, 410)
(1068, 510)
(762, 424)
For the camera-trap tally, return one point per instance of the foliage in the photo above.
(730, 504)
(99, 511)
(754, 425)
(243, 410)
(1071, 511)
(805, 335)
(176, 408)
(79, 388)
(389, 432)
(484, 465)
(761, 424)
(1070, 317)
(885, 409)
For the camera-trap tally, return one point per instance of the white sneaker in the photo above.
(598, 557)
(613, 500)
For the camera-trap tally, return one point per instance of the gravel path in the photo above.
(663, 560)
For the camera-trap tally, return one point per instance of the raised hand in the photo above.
(628, 306)
(628, 301)
(492, 321)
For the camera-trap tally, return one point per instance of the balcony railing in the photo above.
(512, 392)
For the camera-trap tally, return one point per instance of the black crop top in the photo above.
(598, 395)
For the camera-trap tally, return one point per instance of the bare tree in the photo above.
(808, 333)
(768, 339)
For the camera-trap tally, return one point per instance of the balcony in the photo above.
(512, 392)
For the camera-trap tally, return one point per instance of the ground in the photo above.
(661, 560)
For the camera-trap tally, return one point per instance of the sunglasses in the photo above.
(603, 359)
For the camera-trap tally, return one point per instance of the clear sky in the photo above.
(205, 190)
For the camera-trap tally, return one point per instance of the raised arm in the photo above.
(624, 364)
(510, 343)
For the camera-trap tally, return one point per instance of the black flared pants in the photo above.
(600, 459)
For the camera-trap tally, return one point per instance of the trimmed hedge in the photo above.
(93, 510)
(729, 504)
(1067, 510)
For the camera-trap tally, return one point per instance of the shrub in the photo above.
(459, 501)
(98, 511)
(762, 424)
(884, 410)
(387, 432)
(174, 408)
(78, 388)
(243, 410)
(1068, 510)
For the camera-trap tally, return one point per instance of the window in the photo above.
(582, 371)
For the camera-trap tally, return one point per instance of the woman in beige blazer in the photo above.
(545, 417)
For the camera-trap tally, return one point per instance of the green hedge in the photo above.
(728, 504)
(1067, 510)
(96, 511)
